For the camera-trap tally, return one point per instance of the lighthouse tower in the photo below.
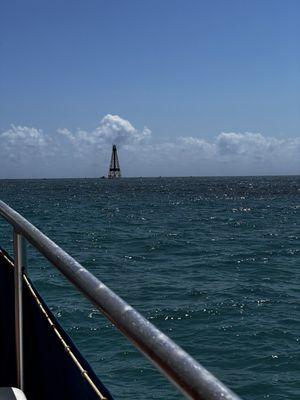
(114, 167)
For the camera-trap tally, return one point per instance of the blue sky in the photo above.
(183, 69)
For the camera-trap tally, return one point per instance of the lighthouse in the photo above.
(114, 167)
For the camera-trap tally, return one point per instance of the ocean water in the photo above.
(213, 262)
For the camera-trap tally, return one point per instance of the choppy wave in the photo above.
(213, 262)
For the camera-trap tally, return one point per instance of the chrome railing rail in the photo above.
(182, 370)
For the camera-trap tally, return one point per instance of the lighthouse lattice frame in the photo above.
(114, 167)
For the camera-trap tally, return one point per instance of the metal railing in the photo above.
(182, 370)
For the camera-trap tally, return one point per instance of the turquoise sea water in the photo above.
(213, 262)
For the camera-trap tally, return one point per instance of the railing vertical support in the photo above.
(20, 264)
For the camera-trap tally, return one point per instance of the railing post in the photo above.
(20, 264)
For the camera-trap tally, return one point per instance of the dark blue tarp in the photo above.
(50, 373)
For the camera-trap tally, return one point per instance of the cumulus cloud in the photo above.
(255, 146)
(23, 136)
(112, 129)
(244, 144)
(30, 152)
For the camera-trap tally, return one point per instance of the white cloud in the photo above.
(114, 129)
(198, 146)
(29, 152)
(256, 146)
(23, 136)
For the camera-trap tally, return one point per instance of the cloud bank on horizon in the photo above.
(28, 152)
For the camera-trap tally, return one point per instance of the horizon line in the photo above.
(156, 177)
